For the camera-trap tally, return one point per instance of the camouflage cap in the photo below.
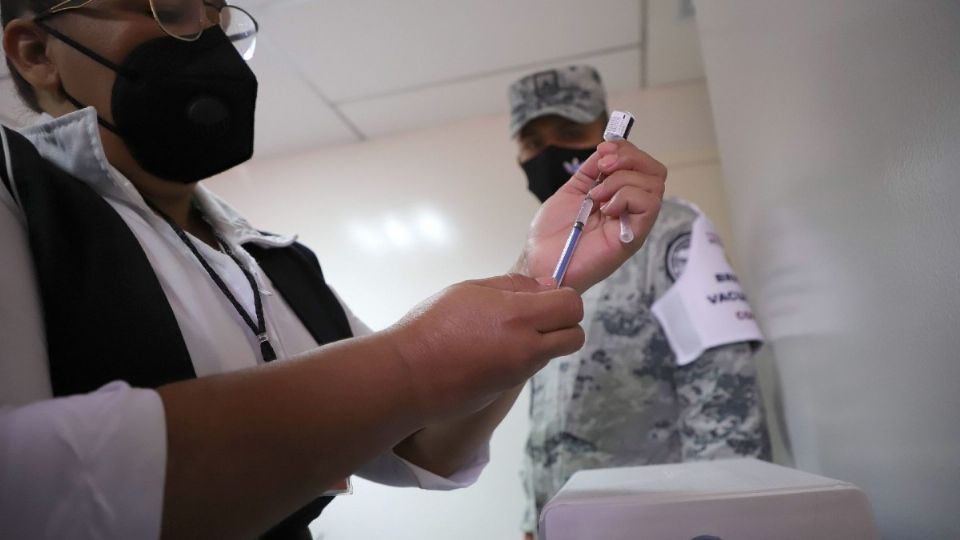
(573, 92)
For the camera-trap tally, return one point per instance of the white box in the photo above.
(739, 499)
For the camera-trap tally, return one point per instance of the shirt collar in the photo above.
(229, 223)
(72, 142)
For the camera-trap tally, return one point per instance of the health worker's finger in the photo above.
(562, 342)
(554, 309)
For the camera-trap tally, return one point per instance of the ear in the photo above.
(25, 44)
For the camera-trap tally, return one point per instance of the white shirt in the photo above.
(92, 466)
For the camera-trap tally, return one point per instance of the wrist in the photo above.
(408, 354)
(385, 378)
(439, 388)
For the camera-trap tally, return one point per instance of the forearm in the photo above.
(444, 448)
(248, 448)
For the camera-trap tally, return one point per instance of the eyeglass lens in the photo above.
(186, 19)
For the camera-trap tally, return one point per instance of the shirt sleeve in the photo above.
(721, 411)
(392, 470)
(88, 466)
(24, 373)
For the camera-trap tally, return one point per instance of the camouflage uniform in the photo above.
(622, 400)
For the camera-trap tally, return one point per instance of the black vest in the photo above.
(106, 316)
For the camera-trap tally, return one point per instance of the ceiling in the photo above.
(340, 71)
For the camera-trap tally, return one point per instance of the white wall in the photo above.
(396, 219)
(839, 130)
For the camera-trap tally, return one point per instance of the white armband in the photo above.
(706, 307)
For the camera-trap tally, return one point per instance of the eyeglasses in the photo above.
(186, 20)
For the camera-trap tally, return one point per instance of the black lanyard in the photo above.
(259, 328)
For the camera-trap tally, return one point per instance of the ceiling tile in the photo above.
(484, 96)
(290, 114)
(355, 49)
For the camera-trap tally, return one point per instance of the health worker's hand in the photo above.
(634, 185)
(469, 343)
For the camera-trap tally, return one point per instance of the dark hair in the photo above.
(10, 10)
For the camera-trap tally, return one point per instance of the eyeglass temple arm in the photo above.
(62, 6)
(241, 35)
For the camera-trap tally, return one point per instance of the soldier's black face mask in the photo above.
(184, 109)
(551, 168)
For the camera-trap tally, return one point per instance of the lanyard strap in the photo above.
(259, 328)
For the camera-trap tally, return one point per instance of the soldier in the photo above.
(655, 383)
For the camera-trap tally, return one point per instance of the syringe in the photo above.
(618, 129)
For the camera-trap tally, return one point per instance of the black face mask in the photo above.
(184, 109)
(551, 168)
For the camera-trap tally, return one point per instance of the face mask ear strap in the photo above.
(76, 103)
(85, 50)
(93, 56)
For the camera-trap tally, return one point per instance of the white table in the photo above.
(740, 499)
